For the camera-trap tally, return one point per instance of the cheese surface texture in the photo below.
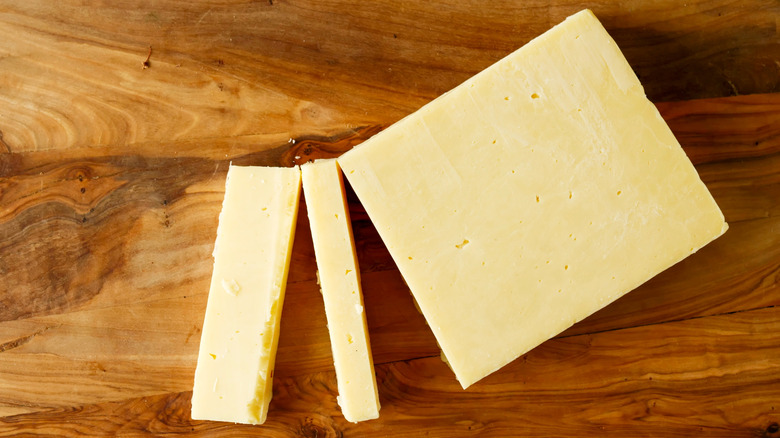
(233, 378)
(531, 196)
(339, 277)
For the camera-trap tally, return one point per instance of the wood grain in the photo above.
(714, 376)
(112, 176)
(72, 76)
(104, 289)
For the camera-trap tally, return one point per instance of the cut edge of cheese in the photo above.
(234, 374)
(389, 160)
(339, 279)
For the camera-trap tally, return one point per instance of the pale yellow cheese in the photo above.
(339, 279)
(233, 378)
(532, 195)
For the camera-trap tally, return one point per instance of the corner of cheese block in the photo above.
(584, 14)
(344, 159)
(303, 167)
(365, 410)
(313, 171)
(723, 229)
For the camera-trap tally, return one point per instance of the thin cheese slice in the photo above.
(241, 328)
(334, 248)
(532, 195)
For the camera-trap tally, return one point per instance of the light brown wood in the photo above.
(679, 379)
(72, 75)
(112, 177)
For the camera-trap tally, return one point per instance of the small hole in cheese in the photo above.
(348, 271)
(349, 339)
(565, 267)
(506, 98)
(619, 192)
(213, 356)
(537, 198)
(534, 96)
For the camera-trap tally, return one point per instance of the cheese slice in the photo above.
(334, 248)
(530, 196)
(233, 378)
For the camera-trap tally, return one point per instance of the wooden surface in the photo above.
(112, 176)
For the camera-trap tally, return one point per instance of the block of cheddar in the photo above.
(531, 196)
(334, 248)
(241, 327)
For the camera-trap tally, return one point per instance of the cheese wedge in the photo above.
(334, 248)
(531, 196)
(233, 378)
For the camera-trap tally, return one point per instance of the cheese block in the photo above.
(339, 276)
(531, 196)
(241, 327)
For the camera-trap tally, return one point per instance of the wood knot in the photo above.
(312, 147)
(310, 429)
(471, 425)
(80, 172)
(772, 430)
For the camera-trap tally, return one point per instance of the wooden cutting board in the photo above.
(117, 124)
